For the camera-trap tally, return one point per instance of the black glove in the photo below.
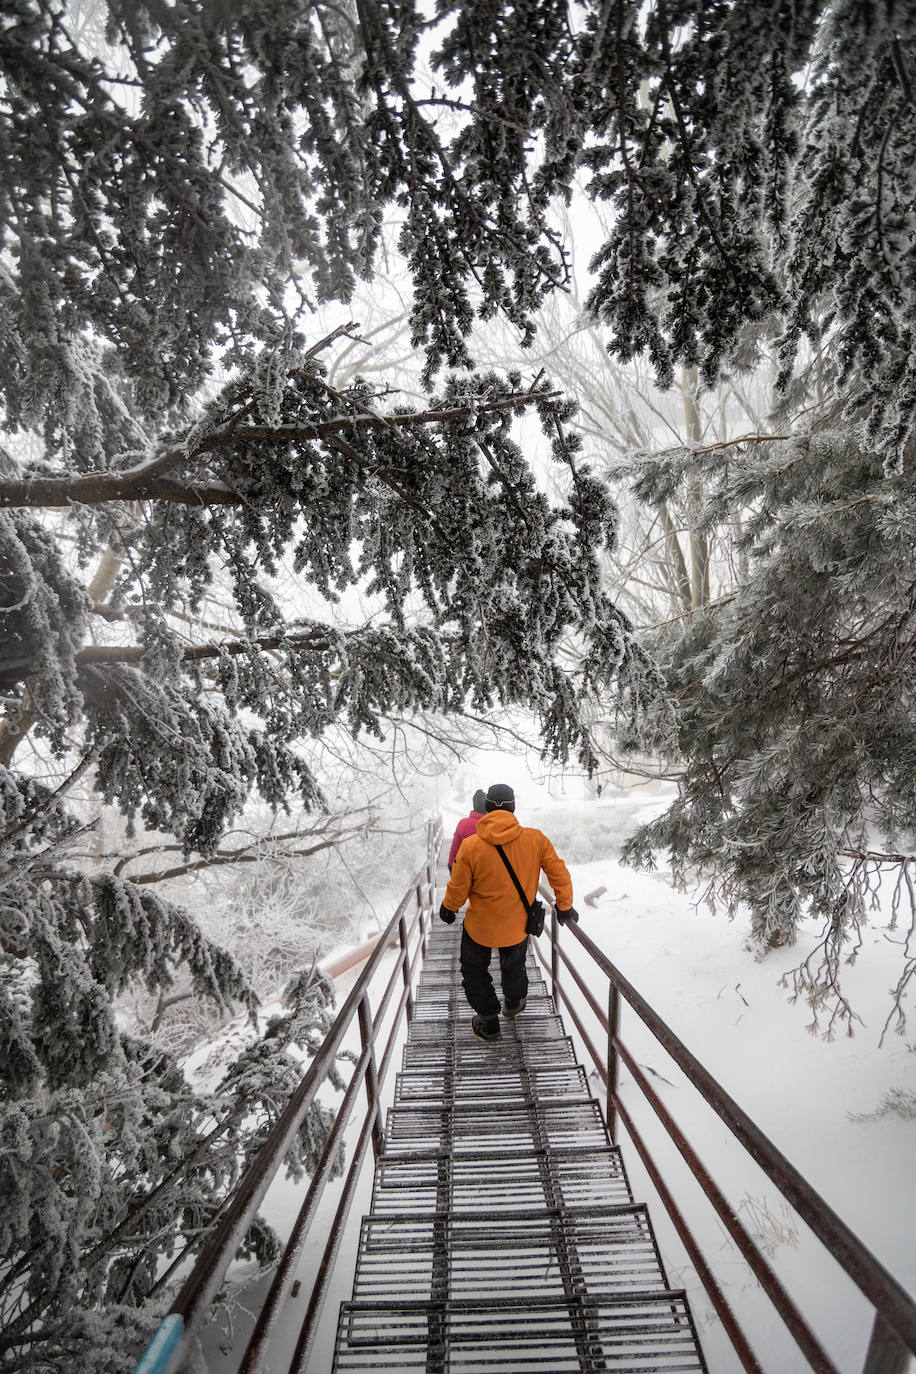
(570, 915)
(446, 915)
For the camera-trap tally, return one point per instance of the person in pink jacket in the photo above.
(468, 825)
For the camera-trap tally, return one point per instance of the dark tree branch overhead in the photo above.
(146, 481)
(49, 493)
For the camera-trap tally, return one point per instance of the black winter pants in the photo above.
(477, 981)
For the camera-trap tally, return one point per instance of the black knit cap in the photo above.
(500, 797)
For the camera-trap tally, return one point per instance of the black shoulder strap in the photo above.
(512, 874)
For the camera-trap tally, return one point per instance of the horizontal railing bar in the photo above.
(886, 1352)
(252, 1360)
(727, 1317)
(580, 984)
(405, 901)
(867, 1272)
(795, 1323)
(415, 918)
(341, 1120)
(379, 1013)
(307, 1330)
(385, 1062)
(415, 963)
(310, 1320)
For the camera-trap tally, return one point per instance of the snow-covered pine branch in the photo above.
(796, 709)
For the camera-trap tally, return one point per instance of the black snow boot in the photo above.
(485, 1027)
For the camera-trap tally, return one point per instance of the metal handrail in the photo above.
(171, 1350)
(893, 1335)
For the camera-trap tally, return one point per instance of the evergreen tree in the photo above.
(480, 578)
(168, 182)
(173, 430)
(797, 719)
(754, 206)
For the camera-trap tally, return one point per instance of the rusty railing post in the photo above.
(405, 965)
(554, 957)
(367, 1039)
(430, 865)
(886, 1353)
(613, 1059)
(420, 904)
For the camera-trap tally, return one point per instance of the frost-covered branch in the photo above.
(147, 482)
(259, 851)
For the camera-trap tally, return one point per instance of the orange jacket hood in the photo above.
(498, 827)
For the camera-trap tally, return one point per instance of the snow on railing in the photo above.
(893, 1334)
(172, 1349)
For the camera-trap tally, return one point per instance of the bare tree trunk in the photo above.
(163, 1005)
(699, 544)
(675, 564)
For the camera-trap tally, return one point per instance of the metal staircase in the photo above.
(503, 1234)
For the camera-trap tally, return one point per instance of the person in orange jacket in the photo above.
(495, 918)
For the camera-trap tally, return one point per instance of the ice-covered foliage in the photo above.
(109, 1162)
(761, 162)
(797, 711)
(480, 580)
(168, 176)
(168, 181)
(435, 513)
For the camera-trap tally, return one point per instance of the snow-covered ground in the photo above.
(837, 1110)
(824, 1105)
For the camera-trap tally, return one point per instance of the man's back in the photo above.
(495, 914)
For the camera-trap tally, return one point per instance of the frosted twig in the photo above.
(25, 821)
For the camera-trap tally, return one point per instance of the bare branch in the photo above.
(742, 439)
(240, 856)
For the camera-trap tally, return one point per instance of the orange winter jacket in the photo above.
(495, 915)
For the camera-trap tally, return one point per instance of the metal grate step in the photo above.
(618, 1332)
(439, 976)
(488, 1178)
(494, 1086)
(527, 1028)
(461, 1054)
(503, 1235)
(602, 1249)
(471, 1126)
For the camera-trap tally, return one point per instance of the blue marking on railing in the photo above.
(162, 1347)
